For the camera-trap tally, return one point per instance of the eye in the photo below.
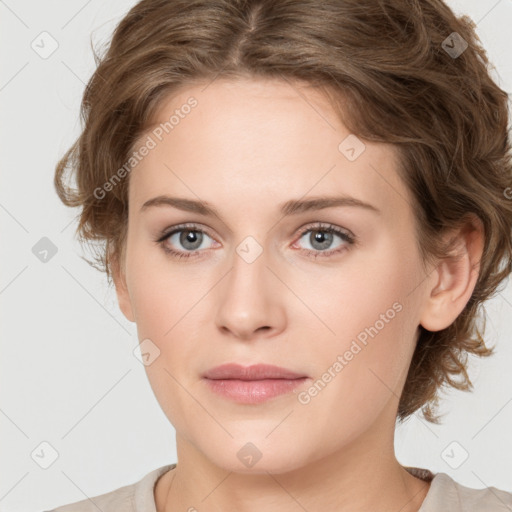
(193, 240)
(321, 238)
(189, 237)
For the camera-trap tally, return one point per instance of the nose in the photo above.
(251, 299)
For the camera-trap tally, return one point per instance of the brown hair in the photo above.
(386, 67)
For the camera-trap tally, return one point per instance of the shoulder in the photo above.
(447, 494)
(135, 497)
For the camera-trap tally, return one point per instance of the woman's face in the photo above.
(261, 282)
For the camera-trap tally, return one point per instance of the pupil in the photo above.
(323, 238)
(190, 237)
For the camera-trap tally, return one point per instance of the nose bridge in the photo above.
(248, 268)
(250, 249)
(247, 299)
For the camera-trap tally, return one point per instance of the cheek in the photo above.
(359, 374)
(157, 290)
(169, 305)
(371, 288)
(371, 315)
(168, 313)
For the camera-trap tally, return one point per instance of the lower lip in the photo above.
(253, 391)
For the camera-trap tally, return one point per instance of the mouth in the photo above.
(253, 384)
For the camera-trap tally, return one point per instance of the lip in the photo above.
(252, 384)
(254, 372)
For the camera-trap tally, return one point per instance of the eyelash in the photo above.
(320, 227)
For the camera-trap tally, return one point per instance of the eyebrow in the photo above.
(291, 207)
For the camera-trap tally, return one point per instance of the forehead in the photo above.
(246, 140)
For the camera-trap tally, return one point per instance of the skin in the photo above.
(248, 146)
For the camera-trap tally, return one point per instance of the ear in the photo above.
(455, 277)
(123, 297)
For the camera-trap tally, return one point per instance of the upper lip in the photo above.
(254, 372)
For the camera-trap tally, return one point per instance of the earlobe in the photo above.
(123, 297)
(454, 278)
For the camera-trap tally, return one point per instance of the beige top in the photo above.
(444, 494)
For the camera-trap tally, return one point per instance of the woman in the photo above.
(303, 205)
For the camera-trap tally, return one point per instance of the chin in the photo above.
(258, 457)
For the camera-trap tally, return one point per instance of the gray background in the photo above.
(68, 373)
